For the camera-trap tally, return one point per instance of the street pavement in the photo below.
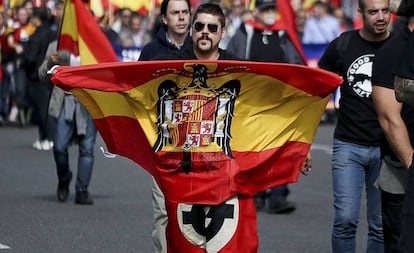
(33, 221)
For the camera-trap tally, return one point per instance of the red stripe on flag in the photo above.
(124, 136)
(247, 174)
(66, 42)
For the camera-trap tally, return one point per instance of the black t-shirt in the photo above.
(351, 56)
(387, 62)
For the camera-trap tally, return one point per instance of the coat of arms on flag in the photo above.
(196, 114)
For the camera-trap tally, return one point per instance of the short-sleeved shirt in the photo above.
(351, 56)
(385, 66)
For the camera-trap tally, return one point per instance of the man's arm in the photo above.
(389, 116)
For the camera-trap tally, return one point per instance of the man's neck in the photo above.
(373, 37)
(411, 23)
(176, 39)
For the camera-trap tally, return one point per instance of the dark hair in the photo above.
(213, 9)
(362, 5)
(41, 13)
(164, 5)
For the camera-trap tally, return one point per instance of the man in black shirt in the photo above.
(356, 158)
(397, 121)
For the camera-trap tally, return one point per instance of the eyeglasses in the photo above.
(198, 26)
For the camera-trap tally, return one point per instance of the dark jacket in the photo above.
(35, 50)
(242, 39)
(161, 46)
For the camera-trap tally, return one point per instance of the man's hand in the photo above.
(307, 165)
(19, 48)
(53, 60)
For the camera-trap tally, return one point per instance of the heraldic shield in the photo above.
(195, 115)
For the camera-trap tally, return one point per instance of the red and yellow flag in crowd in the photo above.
(286, 20)
(141, 6)
(206, 130)
(288, 16)
(81, 35)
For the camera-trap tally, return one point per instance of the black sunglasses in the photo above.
(198, 26)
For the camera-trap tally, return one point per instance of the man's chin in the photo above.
(204, 46)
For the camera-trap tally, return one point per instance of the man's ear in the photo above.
(223, 32)
(164, 19)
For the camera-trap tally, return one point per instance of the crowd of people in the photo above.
(350, 43)
(128, 31)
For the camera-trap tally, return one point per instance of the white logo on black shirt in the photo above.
(359, 75)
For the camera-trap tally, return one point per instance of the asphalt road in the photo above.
(32, 220)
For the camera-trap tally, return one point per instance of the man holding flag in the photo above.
(71, 120)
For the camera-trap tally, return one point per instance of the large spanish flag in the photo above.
(206, 130)
(81, 35)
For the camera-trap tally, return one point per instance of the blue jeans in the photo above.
(63, 135)
(352, 166)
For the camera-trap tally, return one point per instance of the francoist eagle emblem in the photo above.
(197, 114)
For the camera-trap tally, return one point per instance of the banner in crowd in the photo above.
(206, 130)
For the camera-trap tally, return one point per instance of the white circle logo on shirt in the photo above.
(359, 75)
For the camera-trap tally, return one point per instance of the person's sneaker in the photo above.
(82, 198)
(13, 114)
(37, 145)
(43, 145)
(285, 207)
(46, 145)
(63, 189)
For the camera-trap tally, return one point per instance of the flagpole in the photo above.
(110, 14)
(152, 7)
(61, 23)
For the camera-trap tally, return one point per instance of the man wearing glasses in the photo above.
(228, 226)
(207, 30)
